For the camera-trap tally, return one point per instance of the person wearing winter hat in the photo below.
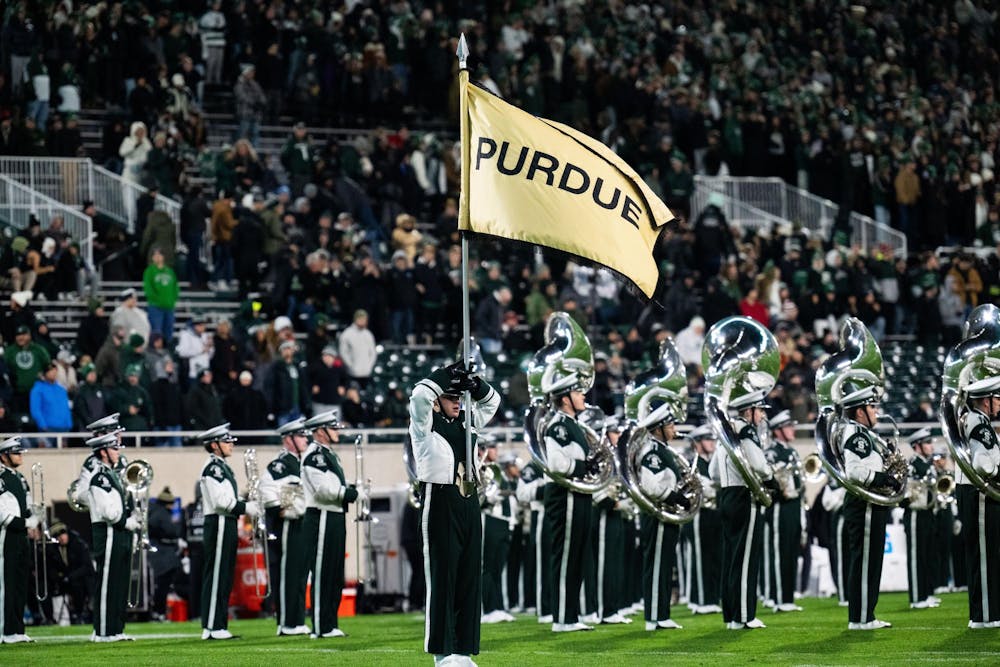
(130, 316)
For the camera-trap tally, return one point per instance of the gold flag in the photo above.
(538, 181)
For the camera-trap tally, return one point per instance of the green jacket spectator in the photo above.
(159, 233)
(26, 360)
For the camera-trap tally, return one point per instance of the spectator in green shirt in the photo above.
(159, 283)
(25, 360)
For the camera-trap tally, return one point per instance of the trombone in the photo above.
(259, 535)
(364, 507)
(138, 476)
(39, 509)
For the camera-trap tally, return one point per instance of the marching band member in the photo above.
(531, 493)
(513, 586)
(703, 532)
(742, 527)
(112, 521)
(222, 507)
(451, 521)
(567, 513)
(102, 426)
(864, 522)
(976, 509)
(918, 522)
(786, 513)
(284, 506)
(609, 541)
(498, 514)
(327, 496)
(951, 575)
(15, 549)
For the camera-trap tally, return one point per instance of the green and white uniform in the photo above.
(499, 520)
(567, 515)
(328, 497)
(742, 526)
(222, 507)
(980, 518)
(703, 546)
(288, 556)
(784, 529)
(531, 493)
(833, 502)
(15, 550)
(659, 475)
(864, 525)
(919, 524)
(450, 517)
(87, 470)
(609, 546)
(111, 548)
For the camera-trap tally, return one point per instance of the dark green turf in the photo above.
(816, 636)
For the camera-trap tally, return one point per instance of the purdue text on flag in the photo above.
(541, 182)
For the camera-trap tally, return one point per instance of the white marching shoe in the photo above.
(870, 625)
(285, 631)
(615, 618)
(735, 625)
(787, 606)
(668, 624)
(923, 604)
(218, 634)
(16, 639)
(591, 619)
(453, 660)
(495, 616)
(755, 623)
(707, 609)
(570, 627)
(336, 632)
(545, 620)
(977, 625)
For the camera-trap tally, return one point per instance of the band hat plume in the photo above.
(540, 182)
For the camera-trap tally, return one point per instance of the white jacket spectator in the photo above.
(689, 342)
(195, 345)
(134, 150)
(357, 348)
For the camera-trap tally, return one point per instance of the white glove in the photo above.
(292, 512)
(253, 509)
(132, 524)
(31, 522)
(182, 544)
(956, 527)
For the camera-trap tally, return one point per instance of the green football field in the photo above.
(817, 636)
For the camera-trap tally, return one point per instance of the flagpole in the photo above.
(463, 80)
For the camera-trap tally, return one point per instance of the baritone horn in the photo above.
(739, 356)
(40, 509)
(975, 358)
(259, 535)
(812, 469)
(364, 508)
(138, 477)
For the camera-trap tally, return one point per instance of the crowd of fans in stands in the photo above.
(887, 110)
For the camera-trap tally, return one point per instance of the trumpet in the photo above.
(364, 507)
(943, 488)
(259, 536)
(138, 477)
(39, 509)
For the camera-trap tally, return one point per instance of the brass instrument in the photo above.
(859, 362)
(138, 477)
(566, 360)
(363, 508)
(943, 487)
(71, 500)
(259, 535)
(290, 495)
(784, 475)
(739, 356)
(41, 510)
(654, 396)
(812, 469)
(975, 358)
(414, 495)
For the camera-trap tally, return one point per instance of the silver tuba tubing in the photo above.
(739, 356)
(978, 351)
(605, 468)
(631, 446)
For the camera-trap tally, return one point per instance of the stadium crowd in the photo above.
(889, 111)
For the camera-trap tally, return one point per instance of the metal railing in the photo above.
(737, 212)
(816, 214)
(504, 435)
(73, 180)
(19, 202)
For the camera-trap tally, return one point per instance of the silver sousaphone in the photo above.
(858, 362)
(658, 394)
(566, 357)
(976, 357)
(739, 356)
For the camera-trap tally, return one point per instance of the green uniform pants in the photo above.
(111, 550)
(659, 551)
(920, 553)
(610, 543)
(742, 542)
(838, 562)
(289, 570)
(496, 546)
(704, 558)
(786, 535)
(864, 528)
(567, 515)
(217, 574)
(513, 592)
(530, 572)
(765, 583)
(453, 541)
(588, 592)
(981, 529)
(633, 561)
(15, 553)
(323, 536)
